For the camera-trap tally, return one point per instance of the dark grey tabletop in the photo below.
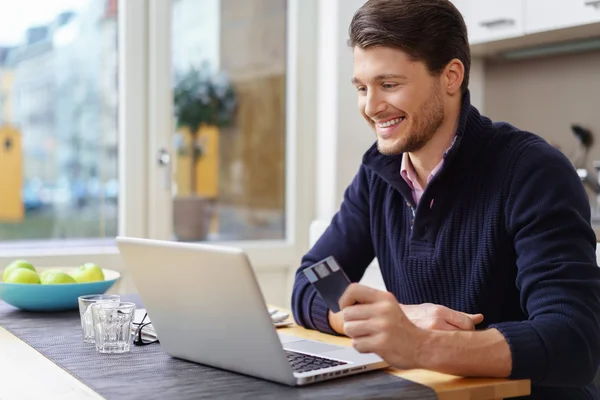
(147, 372)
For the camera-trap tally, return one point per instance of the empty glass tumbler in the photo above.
(113, 324)
(85, 312)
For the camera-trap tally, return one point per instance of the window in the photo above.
(101, 109)
(230, 180)
(58, 120)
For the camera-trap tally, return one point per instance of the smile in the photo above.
(391, 122)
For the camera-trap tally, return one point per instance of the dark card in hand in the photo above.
(329, 280)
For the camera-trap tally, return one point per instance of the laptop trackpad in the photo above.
(312, 347)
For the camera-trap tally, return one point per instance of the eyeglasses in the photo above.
(139, 333)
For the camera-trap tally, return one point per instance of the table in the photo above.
(26, 374)
(447, 387)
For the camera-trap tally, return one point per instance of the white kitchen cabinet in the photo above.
(462, 5)
(490, 20)
(546, 15)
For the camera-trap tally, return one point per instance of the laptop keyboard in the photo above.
(304, 362)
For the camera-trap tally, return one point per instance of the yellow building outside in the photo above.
(11, 175)
(11, 156)
(207, 167)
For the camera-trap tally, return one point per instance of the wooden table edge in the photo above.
(447, 387)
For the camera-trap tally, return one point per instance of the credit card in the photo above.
(329, 280)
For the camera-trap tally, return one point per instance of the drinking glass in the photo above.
(85, 312)
(113, 324)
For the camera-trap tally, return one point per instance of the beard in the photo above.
(423, 127)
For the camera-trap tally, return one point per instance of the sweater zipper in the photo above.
(412, 221)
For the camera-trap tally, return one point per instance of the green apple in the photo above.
(56, 277)
(88, 272)
(22, 275)
(17, 264)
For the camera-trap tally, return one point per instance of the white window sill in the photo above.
(66, 247)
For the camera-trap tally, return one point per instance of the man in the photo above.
(482, 231)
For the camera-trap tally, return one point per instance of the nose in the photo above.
(374, 104)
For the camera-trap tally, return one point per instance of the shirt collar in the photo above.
(408, 173)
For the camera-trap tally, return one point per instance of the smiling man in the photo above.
(481, 230)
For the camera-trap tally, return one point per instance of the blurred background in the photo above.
(60, 94)
(235, 121)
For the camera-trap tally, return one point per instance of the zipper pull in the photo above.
(413, 214)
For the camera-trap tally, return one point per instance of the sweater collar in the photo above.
(468, 138)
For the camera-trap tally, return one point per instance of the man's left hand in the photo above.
(376, 324)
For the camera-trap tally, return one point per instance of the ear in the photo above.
(453, 76)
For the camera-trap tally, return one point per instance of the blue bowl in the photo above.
(37, 297)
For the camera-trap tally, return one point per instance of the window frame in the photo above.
(300, 136)
(132, 56)
(143, 76)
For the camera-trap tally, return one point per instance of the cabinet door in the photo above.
(491, 20)
(545, 15)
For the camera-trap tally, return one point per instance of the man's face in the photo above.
(398, 97)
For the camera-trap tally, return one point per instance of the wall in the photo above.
(355, 136)
(477, 83)
(546, 96)
(342, 134)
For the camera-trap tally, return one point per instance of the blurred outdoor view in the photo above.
(59, 123)
(58, 119)
(230, 174)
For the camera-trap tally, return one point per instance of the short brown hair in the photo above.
(431, 31)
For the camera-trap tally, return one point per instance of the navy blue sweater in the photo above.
(508, 236)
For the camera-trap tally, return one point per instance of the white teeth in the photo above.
(391, 122)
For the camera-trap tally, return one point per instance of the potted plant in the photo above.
(201, 100)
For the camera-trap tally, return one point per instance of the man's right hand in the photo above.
(425, 316)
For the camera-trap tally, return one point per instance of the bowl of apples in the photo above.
(31, 288)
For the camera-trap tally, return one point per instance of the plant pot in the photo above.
(191, 218)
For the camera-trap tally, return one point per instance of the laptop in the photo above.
(206, 307)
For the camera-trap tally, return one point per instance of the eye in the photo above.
(389, 85)
(361, 89)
